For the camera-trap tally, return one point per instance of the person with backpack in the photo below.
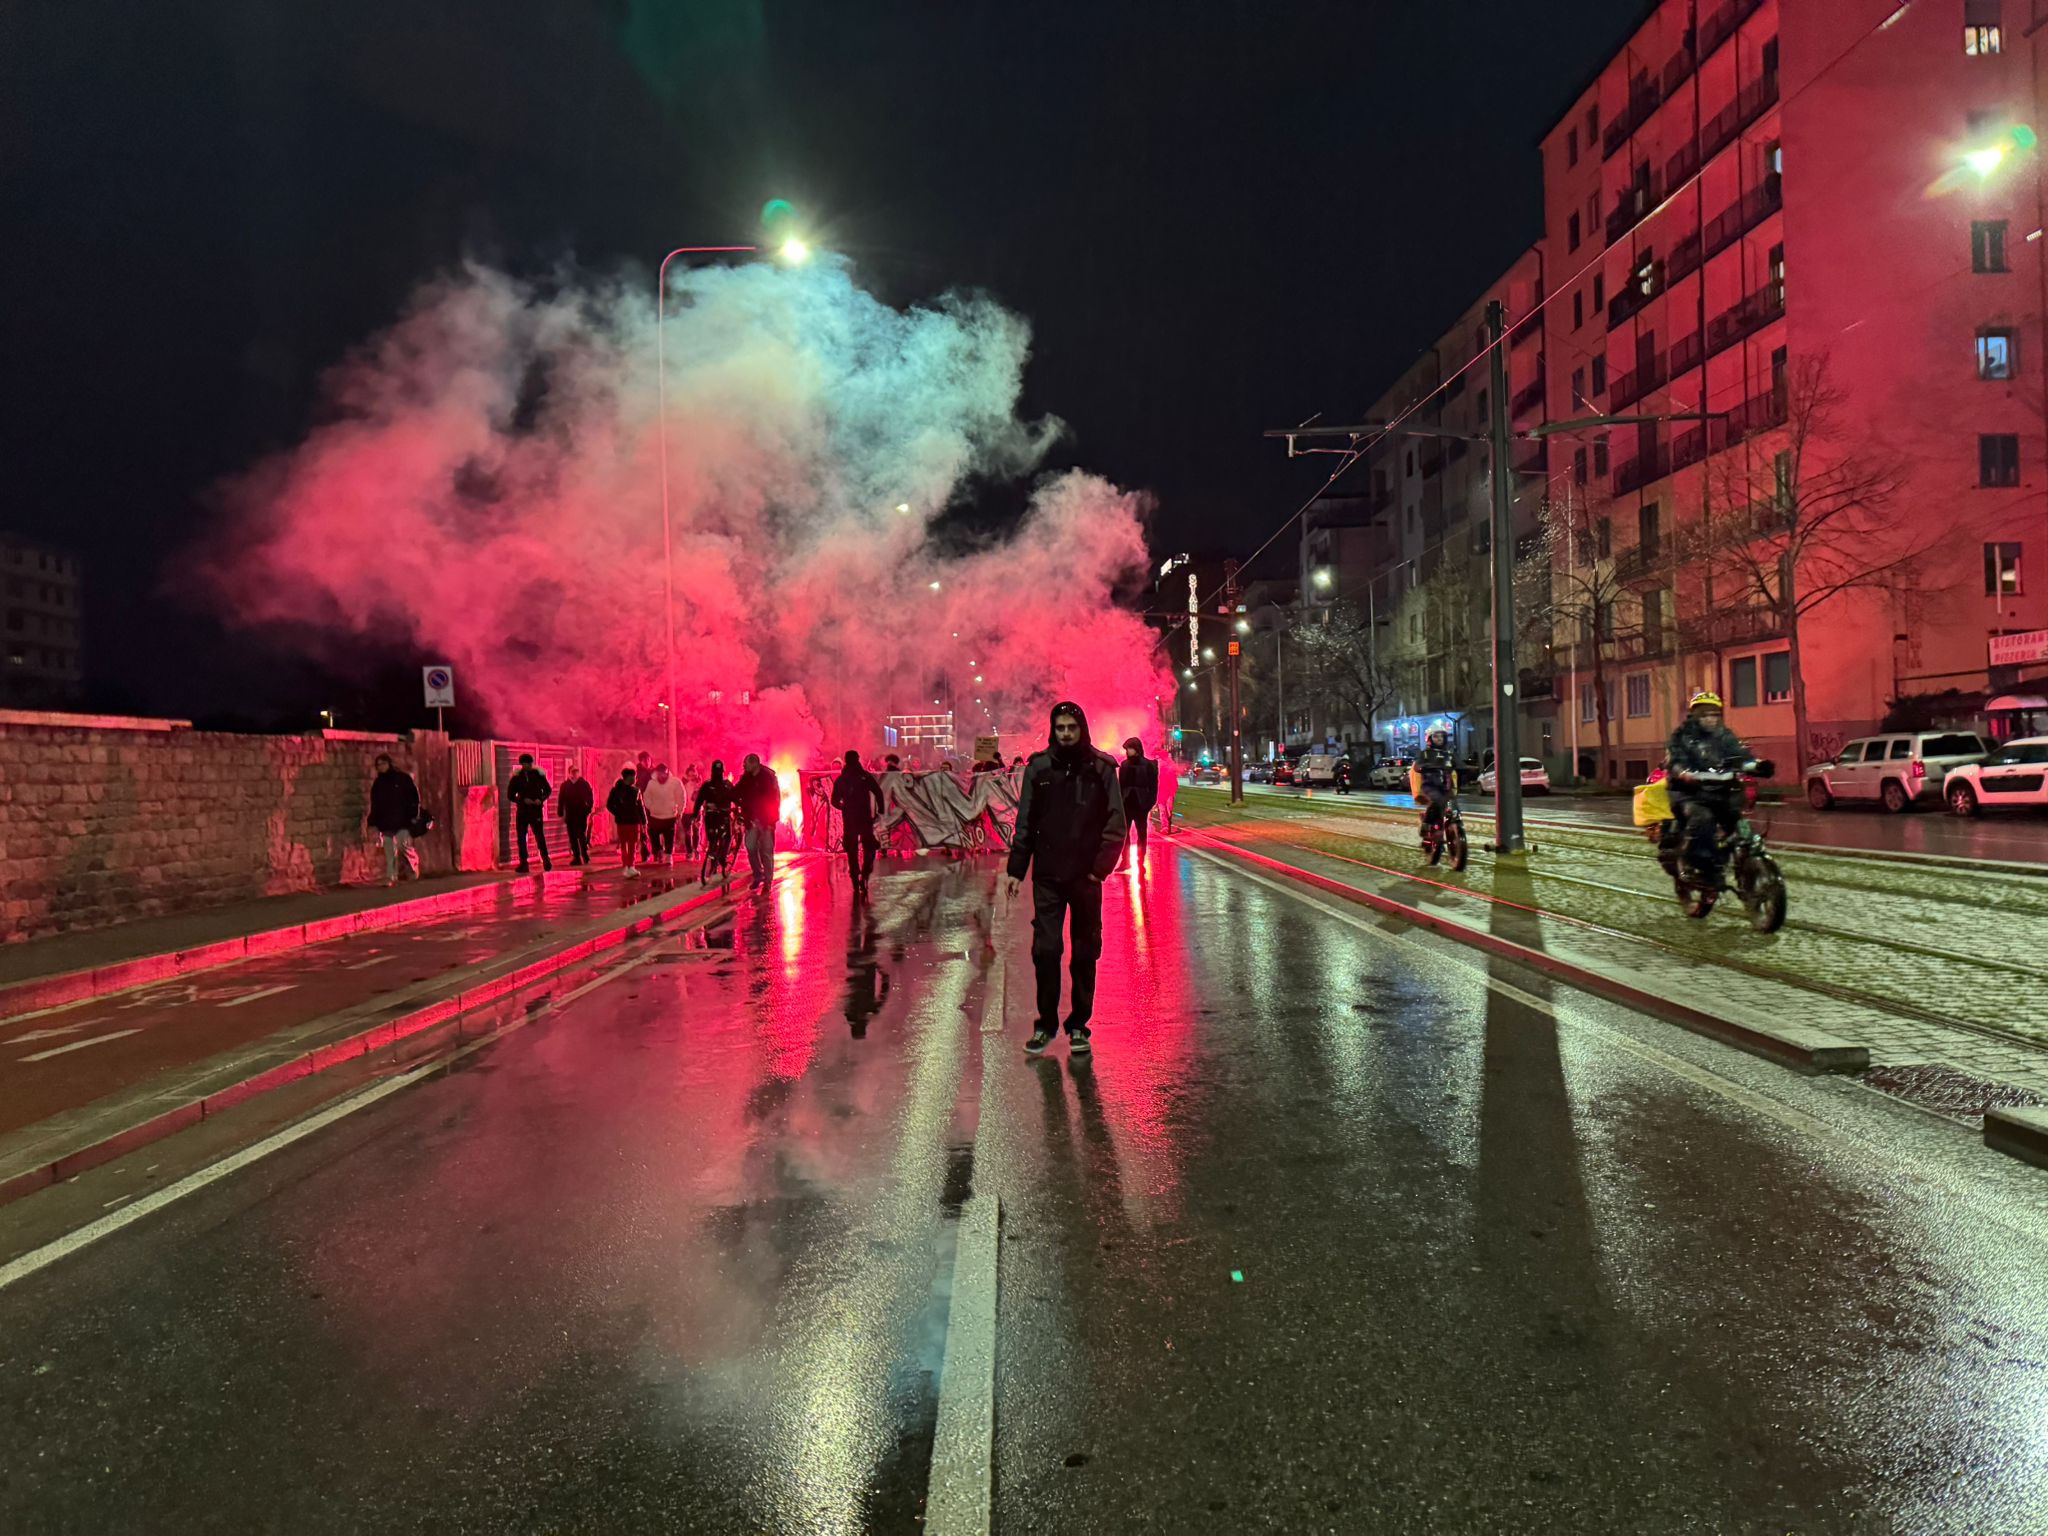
(629, 817)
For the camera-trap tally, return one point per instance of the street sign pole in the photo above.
(1236, 712)
(1507, 734)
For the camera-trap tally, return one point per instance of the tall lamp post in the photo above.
(793, 251)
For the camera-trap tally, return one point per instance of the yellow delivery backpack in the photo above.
(1653, 803)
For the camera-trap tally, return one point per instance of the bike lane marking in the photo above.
(79, 1045)
(259, 994)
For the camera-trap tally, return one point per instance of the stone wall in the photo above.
(105, 820)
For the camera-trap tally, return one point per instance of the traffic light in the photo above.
(1176, 735)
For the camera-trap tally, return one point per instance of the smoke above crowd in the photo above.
(485, 484)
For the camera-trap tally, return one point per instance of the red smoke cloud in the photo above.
(487, 485)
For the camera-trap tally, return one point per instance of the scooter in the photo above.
(1753, 873)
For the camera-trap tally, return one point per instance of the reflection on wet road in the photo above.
(1337, 1232)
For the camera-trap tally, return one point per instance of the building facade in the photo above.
(42, 648)
(1804, 237)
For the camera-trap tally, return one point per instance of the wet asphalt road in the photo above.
(677, 1257)
(2010, 837)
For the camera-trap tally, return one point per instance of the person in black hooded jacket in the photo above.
(1070, 834)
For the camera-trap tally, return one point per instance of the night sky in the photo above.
(1218, 216)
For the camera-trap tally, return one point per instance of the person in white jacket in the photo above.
(663, 797)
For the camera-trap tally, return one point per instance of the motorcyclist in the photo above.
(1435, 778)
(1702, 811)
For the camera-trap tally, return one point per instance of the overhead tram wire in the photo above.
(1359, 451)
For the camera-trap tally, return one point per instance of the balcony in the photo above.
(1724, 23)
(1636, 383)
(1529, 398)
(1633, 474)
(1636, 295)
(1645, 562)
(1759, 413)
(1634, 206)
(1750, 103)
(1750, 315)
(1645, 95)
(1758, 204)
(1531, 459)
(1733, 626)
(1526, 329)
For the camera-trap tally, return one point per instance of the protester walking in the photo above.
(529, 792)
(690, 831)
(711, 811)
(629, 817)
(394, 807)
(760, 794)
(664, 802)
(574, 804)
(1137, 778)
(1070, 833)
(857, 795)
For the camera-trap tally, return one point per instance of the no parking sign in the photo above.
(440, 687)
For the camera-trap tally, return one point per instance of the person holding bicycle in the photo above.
(713, 812)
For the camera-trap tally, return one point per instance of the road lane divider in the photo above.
(1795, 1044)
(73, 1141)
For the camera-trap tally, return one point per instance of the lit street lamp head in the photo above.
(795, 251)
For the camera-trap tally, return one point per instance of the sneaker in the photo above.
(1079, 1041)
(631, 872)
(1037, 1044)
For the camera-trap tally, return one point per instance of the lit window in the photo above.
(2001, 570)
(1995, 355)
(1980, 41)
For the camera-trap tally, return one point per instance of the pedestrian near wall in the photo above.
(760, 794)
(690, 830)
(529, 792)
(574, 805)
(663, 798)
(643, 775)
(394, 807)
(624, 804)
(1070, 834)
(1137, 778)
(857, 795)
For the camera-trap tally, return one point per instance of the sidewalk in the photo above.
(87, 1080)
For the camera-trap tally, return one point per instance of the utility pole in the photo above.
(1236, 714)
(1507, 733)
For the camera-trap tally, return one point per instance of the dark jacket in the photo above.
(858, 796)
(529, 791)
(394, 801)
(1138, 780)
(1695, 749)
(1070, 816)
(624, 804)
(760, 795)
(717, 796)
(576, 801)
(1437, 770)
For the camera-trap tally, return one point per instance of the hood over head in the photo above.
(1132, 741)
(1080, 749)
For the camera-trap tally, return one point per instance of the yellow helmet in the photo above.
(1706, 698)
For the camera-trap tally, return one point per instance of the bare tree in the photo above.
(1341, 664)
(1583, 595)
(1803, 516)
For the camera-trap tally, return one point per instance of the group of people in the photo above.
(654, 811)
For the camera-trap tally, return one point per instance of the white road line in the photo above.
(364, 965)
(41, 1258)
(1984, 1205)
(959, 1500)
(251, 997)
(57, 1033)
(79, 1045)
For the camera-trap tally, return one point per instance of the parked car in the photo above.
(1283, 773)
(1258, 773)
(1207, 773)
(1535, 779)
(1390, 773)
(2015, 774)
(1898, 771)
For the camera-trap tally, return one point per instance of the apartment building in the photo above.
(1804, 236)
(42, 650)
(1430, 491)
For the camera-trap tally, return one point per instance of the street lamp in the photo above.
(793, 251)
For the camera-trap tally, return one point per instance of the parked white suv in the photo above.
(1893, 771)
(2015, 774)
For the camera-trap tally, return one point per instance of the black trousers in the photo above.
(529, 821)
(1052, 903)
(1704, 818)
(579, 838)
(1137, 815)
(861, 849)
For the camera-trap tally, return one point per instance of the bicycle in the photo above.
(1759, 884)
(718, 849)
(1446, 835)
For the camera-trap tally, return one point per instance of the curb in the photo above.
(2020, 1133)
(1810, 1050)
(66, 987)
(382, 1027)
